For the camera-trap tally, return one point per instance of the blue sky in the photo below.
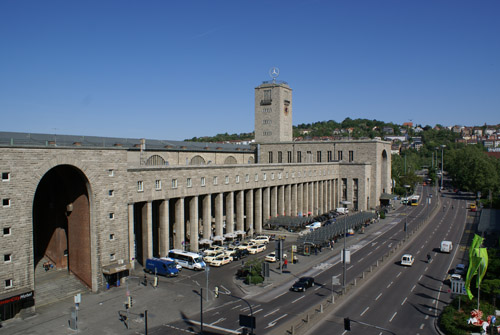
(179, 69)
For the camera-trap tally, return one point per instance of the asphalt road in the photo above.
(406, 300)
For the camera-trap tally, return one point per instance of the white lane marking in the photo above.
(279, 295)
(302, 297)
(404, 301)
(378, 296)
(367, 308)
(422, 326)
(215, 327)
(390, 284)
(217, 321)
(399, 274)
(273, 323)
(277, 309)
(393, 316)
(235, 307)
(419, 278)
(413, 288)
(257, 311)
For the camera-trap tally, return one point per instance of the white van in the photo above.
(407, 260)
(446, 246)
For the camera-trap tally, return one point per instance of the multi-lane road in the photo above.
(401, 299)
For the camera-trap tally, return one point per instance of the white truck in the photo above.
(407, 260)
(446, 246)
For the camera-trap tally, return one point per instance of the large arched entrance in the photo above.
(61, 222)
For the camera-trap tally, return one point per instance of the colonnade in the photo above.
(180, 223)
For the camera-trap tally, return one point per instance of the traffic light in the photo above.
(347, 324)
(216, 291)
(130, 301)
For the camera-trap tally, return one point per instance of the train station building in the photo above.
(93, 207)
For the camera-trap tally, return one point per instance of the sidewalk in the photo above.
(98, 313)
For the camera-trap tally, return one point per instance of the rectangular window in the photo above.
(111, 216)
(140, 186)
(309, 157)
(339, 155)
(247, 178)
(6, 202)
(215, 180)
(8, 283)
(272, 175)
(111, 237)
(157, 184)
(351, 156)
(267, 96)
(318, 156)
(112, 257)
(111, 193)
(264, 176)
(286, 175)
(111, 172)
(280, 157)
(270, 157)
(289, 156)
(226, 179)
(280, 175)
(6, 231)
(203, 181)
(299, 157)
(293, 174)
(7, 258)
(237, 179)
(329, 155)
(256, 177)
(174, 183)
(5, 176)
(189, 182)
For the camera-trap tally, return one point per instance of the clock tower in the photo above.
(273, 111)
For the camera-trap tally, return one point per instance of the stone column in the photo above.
(260, 211)
(193, 220)
(281, 200)
(230, 212)
(266, 210)
(288, 200)
(306, 198)
(179, 238)
(274, 201)
(293, 200)
(249, 224)
(300, 201)
(207, 216)
(218, 214)
(147, 231)
(320, 197)
(131, 234)
(240, 210)
(310, 187)
(164, 229)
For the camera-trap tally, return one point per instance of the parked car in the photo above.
(161, 267)
(230, 250)
(254, 249)
(302, 284)
(261, 239)
(221, 260)
(246, 245)
(460, 269)
(273, 258)
(209, 258)
(239, 254)
(213, 250)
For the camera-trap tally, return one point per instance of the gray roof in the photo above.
(11, 139)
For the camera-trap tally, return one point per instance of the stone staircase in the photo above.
(54, 285)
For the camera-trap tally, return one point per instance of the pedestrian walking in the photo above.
(285, 263)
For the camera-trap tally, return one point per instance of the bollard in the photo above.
(292, 331)
(321, 308)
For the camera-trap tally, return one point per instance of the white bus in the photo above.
(186, 259)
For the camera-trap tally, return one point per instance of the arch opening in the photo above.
(61, 222)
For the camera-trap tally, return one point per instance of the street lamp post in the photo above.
(442, 153)
(406, 210)
(344, 269)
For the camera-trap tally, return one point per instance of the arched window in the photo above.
(156, 160)
(230, 160)
(197, 160)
